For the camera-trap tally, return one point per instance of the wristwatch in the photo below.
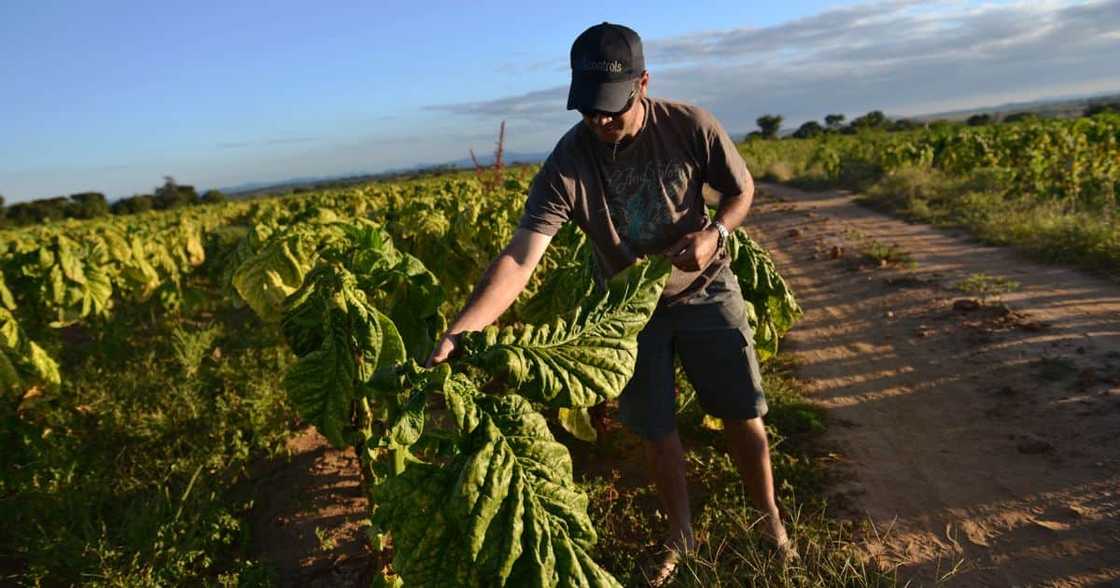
(723, 234)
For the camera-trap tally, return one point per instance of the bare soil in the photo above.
(979, 438)
(308, 516)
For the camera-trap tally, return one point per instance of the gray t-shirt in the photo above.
(639, 199)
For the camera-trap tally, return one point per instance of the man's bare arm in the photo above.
(695, 250)
(500, 285)
(733, 209)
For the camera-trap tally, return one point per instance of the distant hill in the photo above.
(1048, 108)
(252, 188)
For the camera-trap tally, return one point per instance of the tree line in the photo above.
(87, 205)
(769, 125)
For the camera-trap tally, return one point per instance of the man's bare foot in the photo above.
(776, 537)
(661, 567)
(773, 530)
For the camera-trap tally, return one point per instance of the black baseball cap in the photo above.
(606, 59)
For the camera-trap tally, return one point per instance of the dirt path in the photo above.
(308, 516)
(977, 436)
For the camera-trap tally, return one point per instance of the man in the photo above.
(631, 175)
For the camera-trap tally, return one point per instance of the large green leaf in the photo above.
(771, 307)
(6, 299)
(577, 421)
(342, 342)
(567, 278)
(23, 364)
(276, 271)
(321, 387)
(585, 356)
(73, 279)
(412, 296)
(505, 512)
(277, 268)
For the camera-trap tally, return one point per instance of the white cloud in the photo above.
(904, 57)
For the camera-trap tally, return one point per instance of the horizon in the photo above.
(113, 100)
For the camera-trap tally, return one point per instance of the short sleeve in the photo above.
(549, 204)
(724, 168)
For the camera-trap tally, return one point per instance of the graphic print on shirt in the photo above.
(639, 201)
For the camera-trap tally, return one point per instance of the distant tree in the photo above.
(144, 202)
(213, 197)
(808, 130)
(872, 120)
(172, 195)
(39, 211)
(88, 205)
(903, 124)
(978, 120)
(21, 213)
(1020, 117)
(1102, 108)
(55, 208)
(834, 121)
(769, 124)
(133, 204)
(754, 135)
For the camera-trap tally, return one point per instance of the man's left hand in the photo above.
(694, 251)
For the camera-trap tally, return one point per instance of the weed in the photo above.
(985, 287)
(884, 254)
(879, 253)
(137, 487)
(778, 171)
(189, 347)
(1055, 369)
(326, 542)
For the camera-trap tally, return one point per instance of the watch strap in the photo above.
(723, 234)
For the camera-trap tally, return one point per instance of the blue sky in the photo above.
(111, 96)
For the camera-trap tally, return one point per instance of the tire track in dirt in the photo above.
(985, 439)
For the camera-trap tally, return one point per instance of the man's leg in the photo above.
(751, 453)
(665, 459)
(648, 408)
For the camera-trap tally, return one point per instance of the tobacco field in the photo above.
(150, 362)
(147, 360)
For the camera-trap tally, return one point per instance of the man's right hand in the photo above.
(443, 350)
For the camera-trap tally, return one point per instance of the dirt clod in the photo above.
(966, 305)
(1031, 445)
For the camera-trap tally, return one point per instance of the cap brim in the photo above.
(586, 94)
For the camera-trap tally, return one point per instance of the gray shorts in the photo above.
(709, 332)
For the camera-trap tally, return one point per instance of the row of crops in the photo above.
(466, 480)
(1074, 161)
